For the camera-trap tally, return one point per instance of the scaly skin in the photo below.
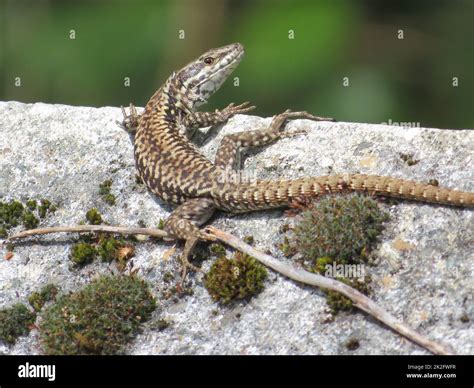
(176, 171)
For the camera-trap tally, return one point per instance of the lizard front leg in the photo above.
(228, 153)
(184, 224)
(130, 121)
(195, 120)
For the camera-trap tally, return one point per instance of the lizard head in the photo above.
(202, 77)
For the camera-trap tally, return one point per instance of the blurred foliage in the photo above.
(407, 80)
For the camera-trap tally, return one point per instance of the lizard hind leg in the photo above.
(184, 224)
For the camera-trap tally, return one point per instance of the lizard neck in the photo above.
(170, 103)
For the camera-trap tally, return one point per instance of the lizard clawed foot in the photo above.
(130, 121)
(185, 266)
(288, 114)
(232, 110)
(188, 248)
(204, 234)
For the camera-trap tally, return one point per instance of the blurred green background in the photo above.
(408, 80)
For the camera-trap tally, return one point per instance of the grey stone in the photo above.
(63, 153)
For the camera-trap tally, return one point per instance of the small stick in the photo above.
(360, 300)
(91, 228)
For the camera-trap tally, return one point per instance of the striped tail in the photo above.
(261, 195)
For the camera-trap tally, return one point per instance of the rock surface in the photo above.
(425, 257)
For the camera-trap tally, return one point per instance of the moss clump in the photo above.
(14, 213)
(100, 319)
(108, 248)
(339, 227)
(105, 190)
(10, 214)
(334, 234)
(321, 263)
(234, 279)
(38, 299)
(114, 249)
(338, 302)
(29, 220)
(31, 204)
(217, 249)
(14, 322)
(94, 217)
(83, 253)
(161, 224)
(44, 207)
(286, 248)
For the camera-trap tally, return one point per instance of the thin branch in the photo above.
(90, 228)
(360, 300)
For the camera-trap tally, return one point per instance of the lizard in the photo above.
(175, 170)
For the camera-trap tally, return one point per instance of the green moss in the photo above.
(234, 279)
(110, 199)
(286, 248)
(108, 249)
(114, 249)
(31, 204)
(94, 217)
(105, 187)
(337, 230)
(44, 207)
(14, 322)
(14, 213)
(217, 249)
(29, 220)
(321, 263)
(161, 224)
(10, 214)
(338, 302)
(83, 253)
(105, 190)
(339, 227)
(100, 319)
(38, 299)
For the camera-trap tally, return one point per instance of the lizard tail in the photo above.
(261, 195)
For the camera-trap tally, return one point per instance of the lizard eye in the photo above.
(208, 60)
